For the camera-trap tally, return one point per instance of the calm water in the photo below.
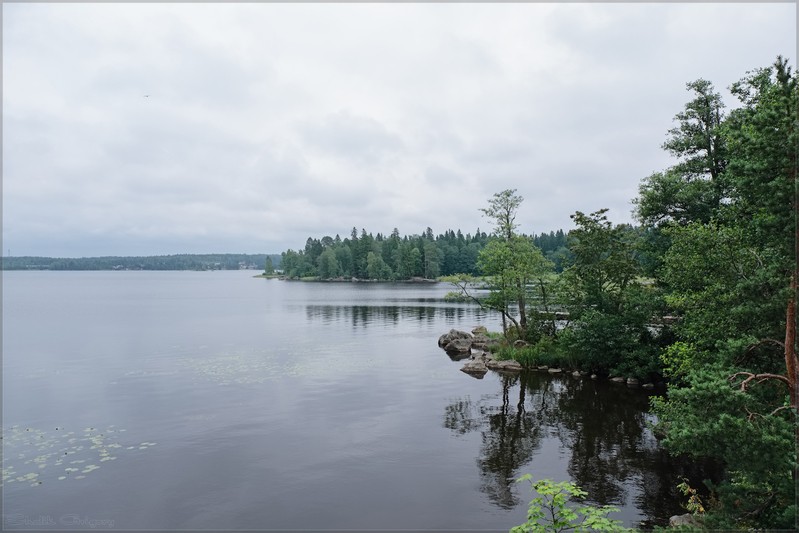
(213, 400)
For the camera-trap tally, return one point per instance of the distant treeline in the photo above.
(158, 262)
(395, 257)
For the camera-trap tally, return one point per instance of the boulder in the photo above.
(555, 370)
(576, 374)
(684, 520)
(480, 342)
(453, 334)
(475, 368)
(618, 380)
(632, 382)
(543, 368)
(480, 330)
(458, 347)
(648, 386)
(594, 376)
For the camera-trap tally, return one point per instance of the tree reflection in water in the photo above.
(603, 428)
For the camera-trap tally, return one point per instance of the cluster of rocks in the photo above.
(459, 345)
(631, 382)
(476, 347)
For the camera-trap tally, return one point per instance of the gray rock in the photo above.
(458, 347)
(684, 520)
(475, 368)
(594, 376)
(543, 368)
(480, 342)
(480, 330)
(632, 382)
(453, 334)
(555, 370)
(618, 380)
(648, 386)
(507, 366)
(576, 374)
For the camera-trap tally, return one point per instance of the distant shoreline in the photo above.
(153, 262)
(347, 280)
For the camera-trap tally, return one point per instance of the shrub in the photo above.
(550, 512)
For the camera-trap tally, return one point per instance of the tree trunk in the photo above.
(791, 366)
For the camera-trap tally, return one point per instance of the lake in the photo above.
(215, 400)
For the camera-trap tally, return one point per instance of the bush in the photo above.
(549, 512)
(544, 352)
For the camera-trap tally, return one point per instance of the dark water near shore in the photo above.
(213, 400)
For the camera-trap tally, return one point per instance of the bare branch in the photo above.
(760, 377)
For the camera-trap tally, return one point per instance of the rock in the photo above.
(480, 330)
(594, 376)
(543, 368)
(507, 366)
(648, 386)
(682, 520)
(475, 368)
(520, 344)
(618, 380)
(459, 347)
(576, 374)
(453, 334)
(480, 342)
(555, 370)
(632, 382)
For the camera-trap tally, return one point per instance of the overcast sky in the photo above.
(144, 129)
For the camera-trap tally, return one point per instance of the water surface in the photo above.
(214, 400)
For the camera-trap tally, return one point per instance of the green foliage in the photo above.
(713, 418)
(545, 352)
(511, 267)
(502, 209)
(726, 271)
(694, 503)
(604, 263)
(551, 512)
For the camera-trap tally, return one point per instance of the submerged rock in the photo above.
(506, 366)
(618, 380)
(475, 368)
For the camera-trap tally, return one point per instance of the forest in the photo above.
(701, 294)
(392, 258)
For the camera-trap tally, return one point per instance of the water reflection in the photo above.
(604, 429)
(364, 315)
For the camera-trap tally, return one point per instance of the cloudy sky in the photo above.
(143, 129)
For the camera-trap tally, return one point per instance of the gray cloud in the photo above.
(269, 123)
